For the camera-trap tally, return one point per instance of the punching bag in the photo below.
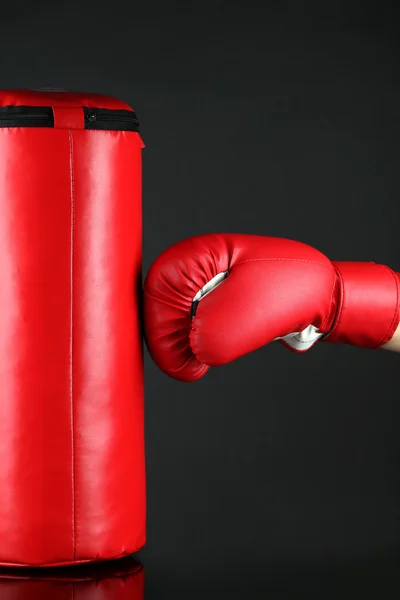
(72, 470)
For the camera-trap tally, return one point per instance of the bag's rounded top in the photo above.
(48, 97)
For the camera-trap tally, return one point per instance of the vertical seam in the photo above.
(71, 168)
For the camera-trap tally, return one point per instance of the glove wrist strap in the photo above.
(367, 311)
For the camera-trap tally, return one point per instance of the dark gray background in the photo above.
(278, 472)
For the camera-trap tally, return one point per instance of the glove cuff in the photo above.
(367, 304)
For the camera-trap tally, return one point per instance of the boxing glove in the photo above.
(212, 298)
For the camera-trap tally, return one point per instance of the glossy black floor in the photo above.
(128, 579)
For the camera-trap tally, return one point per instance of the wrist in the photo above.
(366, 307)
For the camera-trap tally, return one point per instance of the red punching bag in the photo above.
(72, 471)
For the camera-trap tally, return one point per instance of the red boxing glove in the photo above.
(212, 298)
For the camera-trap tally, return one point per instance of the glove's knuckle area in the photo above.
(173, 287)
(167, 333)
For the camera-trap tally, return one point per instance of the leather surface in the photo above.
(67, 99)
(274, 287)
(68, 117)
(72, 473)
(117, 580)
(368, 306)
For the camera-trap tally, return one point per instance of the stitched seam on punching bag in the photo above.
(71, 168)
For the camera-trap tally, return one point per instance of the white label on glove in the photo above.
(302, 340)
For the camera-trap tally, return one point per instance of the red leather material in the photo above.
(368, 307)
(274, 287)
(118, 580)
(69, 117)
(67, 99)
(72, 472)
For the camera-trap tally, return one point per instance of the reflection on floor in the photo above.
(117, 580)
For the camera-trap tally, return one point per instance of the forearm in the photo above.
(394, 343)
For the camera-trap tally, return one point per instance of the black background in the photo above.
(277, 473)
